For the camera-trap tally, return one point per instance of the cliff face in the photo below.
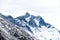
(27, 27)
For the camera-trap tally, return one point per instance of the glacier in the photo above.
(27, 27)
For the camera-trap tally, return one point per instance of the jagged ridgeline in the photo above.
(27, 27)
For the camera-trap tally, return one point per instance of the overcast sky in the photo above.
(48, 9)
(41, 6)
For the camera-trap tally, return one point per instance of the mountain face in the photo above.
(10, 31)
(27, 27)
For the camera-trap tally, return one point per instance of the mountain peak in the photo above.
(27, 14)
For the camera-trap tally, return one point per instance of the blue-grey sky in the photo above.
(48, 9)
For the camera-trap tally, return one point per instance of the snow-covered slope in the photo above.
(38, 27)
(35, 26)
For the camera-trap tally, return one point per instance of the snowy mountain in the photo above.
(10, 31)
(27, 27)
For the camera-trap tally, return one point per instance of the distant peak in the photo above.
(27, 15)
(9, 16)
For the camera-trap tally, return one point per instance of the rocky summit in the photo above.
(27, 27)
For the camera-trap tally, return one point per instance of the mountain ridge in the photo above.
(33, 25)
